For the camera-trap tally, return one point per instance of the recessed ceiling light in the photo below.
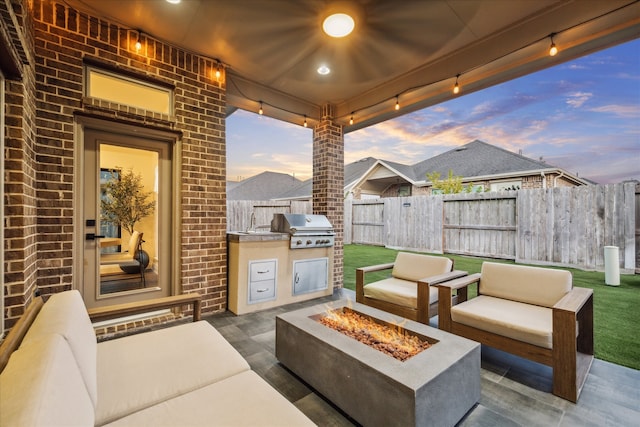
(324, 70)
(173, 1)
(338, 25)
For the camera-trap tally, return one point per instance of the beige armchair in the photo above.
(531, 312)
(408, 292)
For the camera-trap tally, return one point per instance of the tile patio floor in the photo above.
(515, 391)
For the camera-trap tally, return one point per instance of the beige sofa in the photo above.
(178, 376)
(532, 312)
(409, 292)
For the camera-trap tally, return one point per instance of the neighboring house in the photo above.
(484, 166)
(264, 186)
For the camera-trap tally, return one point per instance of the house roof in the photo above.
(352, 173)
(472, 161)
(476, 159)
(264, 186)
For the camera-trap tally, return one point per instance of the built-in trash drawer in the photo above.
(262, 280)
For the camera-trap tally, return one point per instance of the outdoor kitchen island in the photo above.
(285, 265)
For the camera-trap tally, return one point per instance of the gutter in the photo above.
(516, 174)
(555, 179)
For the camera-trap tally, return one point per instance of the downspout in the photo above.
(555, 179)
(544, 180)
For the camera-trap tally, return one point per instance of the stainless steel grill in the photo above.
(306, 231)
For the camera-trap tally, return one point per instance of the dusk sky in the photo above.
(582, 116)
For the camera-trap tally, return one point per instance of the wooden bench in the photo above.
(113, 312)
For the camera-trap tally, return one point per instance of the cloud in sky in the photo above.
(624, 111)
(577, 99)
(583, 116)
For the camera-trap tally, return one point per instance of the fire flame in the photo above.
(387, 338)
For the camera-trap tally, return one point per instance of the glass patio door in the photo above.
(127, 218)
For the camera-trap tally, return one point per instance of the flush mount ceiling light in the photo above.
(338, 25)
(323, 70)
(173, 1)
(340, 17)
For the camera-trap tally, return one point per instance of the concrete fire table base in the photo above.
(436, 387)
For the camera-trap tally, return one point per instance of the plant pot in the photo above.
(142, 257)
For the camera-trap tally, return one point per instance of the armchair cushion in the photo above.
(398, 291)
(523, 322)
(531, 285)
(414, 267)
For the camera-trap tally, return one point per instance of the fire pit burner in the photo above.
(436, 387)
(388, 338)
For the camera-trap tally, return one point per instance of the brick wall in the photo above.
(20, 192)
(328, 182)
(41, 147)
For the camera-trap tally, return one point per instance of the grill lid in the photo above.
(300, 224)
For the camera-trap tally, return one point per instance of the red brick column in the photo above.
(328, 182)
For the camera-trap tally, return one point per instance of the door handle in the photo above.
(93, 236)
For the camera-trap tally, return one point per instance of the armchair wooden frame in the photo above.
(424, 310)
(571, 354)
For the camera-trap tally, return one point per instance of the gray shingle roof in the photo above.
(476, 158)
(264, 186)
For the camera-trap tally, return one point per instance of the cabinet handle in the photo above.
(262, 290)
(263, 272)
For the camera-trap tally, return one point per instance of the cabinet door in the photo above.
(310, 275)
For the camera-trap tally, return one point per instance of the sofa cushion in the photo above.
(139, 371)
(42, 385)
(414, 267)
(532, 285)
(524, 322)
(64, 313)
(244, 399)
(397, 291)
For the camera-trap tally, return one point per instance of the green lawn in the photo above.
(616, 308)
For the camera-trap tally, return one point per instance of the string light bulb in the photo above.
(260, 111)
(351, 119)
(138, 43)
(397, 103)
(553, 50)
(456, 87)
(218, 71)
(305, 120)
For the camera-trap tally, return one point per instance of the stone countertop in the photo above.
(253, 236)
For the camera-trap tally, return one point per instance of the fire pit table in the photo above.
(436, 387)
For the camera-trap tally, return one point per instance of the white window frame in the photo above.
(501, 185)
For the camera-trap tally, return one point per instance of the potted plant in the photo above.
(125, 203)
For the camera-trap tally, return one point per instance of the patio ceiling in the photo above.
(410, 51)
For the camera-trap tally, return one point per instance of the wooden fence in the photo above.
(239, 212)
(566, 226)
